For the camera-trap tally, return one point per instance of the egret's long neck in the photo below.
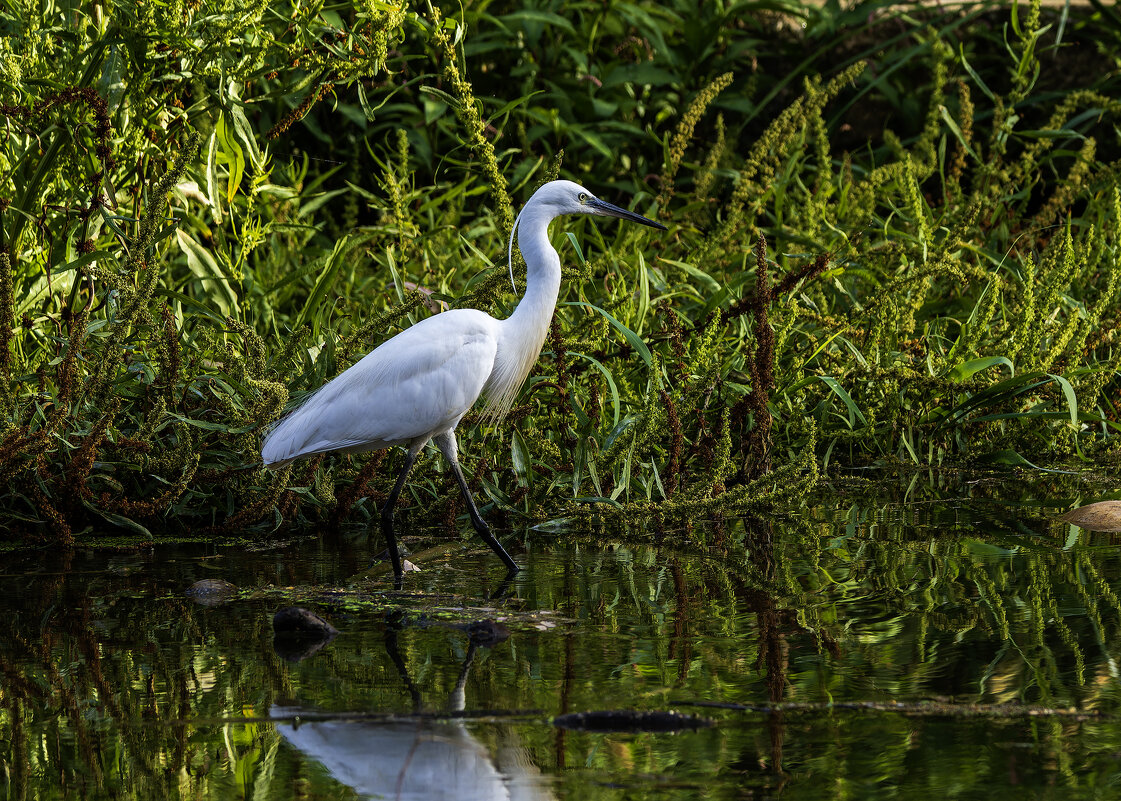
(524, 331)
(542, 282)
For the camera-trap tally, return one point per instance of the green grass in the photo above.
(893, 240)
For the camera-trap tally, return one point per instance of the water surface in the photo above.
(930, 642)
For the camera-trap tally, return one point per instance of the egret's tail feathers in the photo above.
(278, 449)
(294, 438)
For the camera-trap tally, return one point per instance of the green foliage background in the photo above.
(893, 238)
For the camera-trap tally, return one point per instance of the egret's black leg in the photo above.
(392, 627)
(502, 591)
(387, 510)
(447, 445)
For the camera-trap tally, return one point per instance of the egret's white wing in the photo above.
(419, 383)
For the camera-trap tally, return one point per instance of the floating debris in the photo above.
(295, 621)
(487, 633)
(1101, 516)
(629, 720)
(931, 708)
(298, 633)
(211, 592)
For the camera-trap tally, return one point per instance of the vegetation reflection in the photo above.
(804, 638)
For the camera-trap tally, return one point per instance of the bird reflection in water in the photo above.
(417, 761)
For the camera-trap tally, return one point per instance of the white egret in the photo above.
(418, 385)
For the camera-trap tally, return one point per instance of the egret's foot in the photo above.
(512, 567)
(385, 556)
(483, 530)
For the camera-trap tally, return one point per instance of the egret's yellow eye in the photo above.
(582, 197)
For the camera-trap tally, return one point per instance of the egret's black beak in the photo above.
(603, 207)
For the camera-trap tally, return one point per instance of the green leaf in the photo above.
(442, 95)
(120, 521)
(973, 74)
(579, 459)
(576, 246)
(1048, 133)
(232, 154)
(1071, 398)
(310, 312)
(112, 85)
(595, 140)
(615, 402)
(839, 391)
(543, 17)
(206, 269)
(952, 123)
(519, 456)
(643, 74)
(1009, 388)
(243, 132)
(557, 525)
(633, 339)
(513, 104)
(500, 498)
(212, 193)
(1011, 458)
(621, 428)
(710, 283)
(207, 425)
(187, 300)
(598, 499)
(317, 202)
(83, 260)
(969, 368)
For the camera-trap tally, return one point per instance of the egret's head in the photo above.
(566, 197)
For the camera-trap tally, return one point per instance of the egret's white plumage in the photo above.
(418, 385)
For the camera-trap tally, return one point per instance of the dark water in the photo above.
(912, 643)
